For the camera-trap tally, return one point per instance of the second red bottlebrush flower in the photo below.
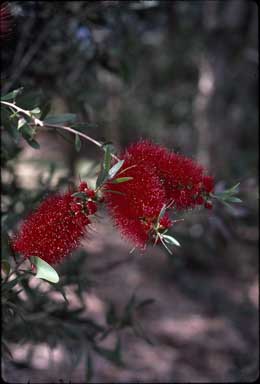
(54, 230)
(136, 203)
(185, 181)
(159, 178)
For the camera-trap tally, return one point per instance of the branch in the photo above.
(40, 123)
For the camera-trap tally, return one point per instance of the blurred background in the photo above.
(184, 74)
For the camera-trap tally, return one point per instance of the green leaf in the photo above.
(6, 266)
(113, 171)
(62, 118)
(44, 270)
(107, 157)
(171, 240)
(27, 131)
(82, 195)
(233, 199)
(77, 143)
(233, 189)
(122, 180)
(36, 112)
(45, 109)
(81, 127)
(21, 123)
(102, 177)
(33, 143)
(165, 246)
(116, 192)
(12, 95)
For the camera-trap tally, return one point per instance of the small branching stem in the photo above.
(40, 123)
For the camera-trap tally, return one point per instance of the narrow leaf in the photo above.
(165, 246)
(233, 199)
(45, 109)
(6, 266)
(44, 270)
(21, 123)
(82, 195)
(121, 180)
(62, 118)
(116, 192)
(12, 95)
(113, 171)
(77, 143)
(107, 157)
(102, 177)
(34, 144)
(36, 112)
(171, 240)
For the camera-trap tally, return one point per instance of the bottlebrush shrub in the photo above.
(56, 228)
(159, 179)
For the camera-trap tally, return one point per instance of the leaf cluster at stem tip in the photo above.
(227, 196)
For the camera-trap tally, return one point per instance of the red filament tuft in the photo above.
(52, 231)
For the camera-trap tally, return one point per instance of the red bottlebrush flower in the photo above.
(83, 187)
(135, 203)
(208, 184)
(208, 205)
(182, 178)
(199, 200)
(165, 222)
(52, 231)
(92, 207)
(5, 20)
(91, 194)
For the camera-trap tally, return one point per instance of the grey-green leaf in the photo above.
(107, 157)
(102, 177)
(171, 240)
(6, 266)
(113, 171)
(44, 270)
(62, 118)
(121, 180)
(233, 199)
(77, 143)
(21, 123)
(34, 144)
(12, 95)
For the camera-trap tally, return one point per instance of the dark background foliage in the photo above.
(185, 74)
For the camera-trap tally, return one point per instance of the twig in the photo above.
(40, 123)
